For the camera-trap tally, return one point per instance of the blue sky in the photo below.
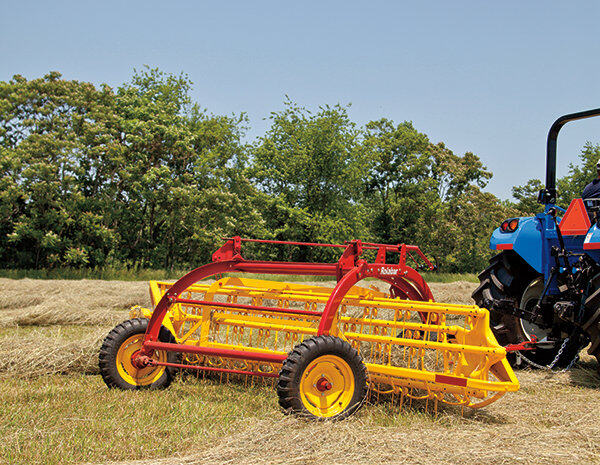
(486, 77)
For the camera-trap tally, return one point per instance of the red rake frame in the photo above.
(405, 281)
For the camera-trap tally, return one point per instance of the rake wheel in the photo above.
(324, 377)
(115, 358)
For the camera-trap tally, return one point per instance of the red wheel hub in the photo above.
(139, 361)
(323, 385)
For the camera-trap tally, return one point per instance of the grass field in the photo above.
(56, 409)
(143, 274)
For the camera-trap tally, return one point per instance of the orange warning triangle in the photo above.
(576, 221)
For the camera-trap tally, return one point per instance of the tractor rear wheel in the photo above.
(323, 378)
(510, 278)
(117, 349)
(592, 325)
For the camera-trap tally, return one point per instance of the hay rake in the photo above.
(325, 348)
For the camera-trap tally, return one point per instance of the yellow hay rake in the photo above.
(326, 347)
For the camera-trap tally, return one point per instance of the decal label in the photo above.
(389, 271)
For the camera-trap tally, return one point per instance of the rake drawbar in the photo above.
(327, 347)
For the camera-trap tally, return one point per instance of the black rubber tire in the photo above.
(107, 359)
(498, 282)
(294, 366)
(506, 278)
(592, 325)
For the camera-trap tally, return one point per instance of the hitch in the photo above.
(525, 345)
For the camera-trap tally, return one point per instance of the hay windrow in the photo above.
(45, 351)
(49, 307)
(68, 302)
(94, 302)
(458, 292)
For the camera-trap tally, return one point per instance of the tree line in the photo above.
(142, 176)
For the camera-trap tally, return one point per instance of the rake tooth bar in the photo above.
(412, 349)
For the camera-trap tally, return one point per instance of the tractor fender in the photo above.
(592, 239)
(526, 241)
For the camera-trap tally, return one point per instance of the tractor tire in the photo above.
(592, 325)
(322, 378)
(115, 358)
(510, 278)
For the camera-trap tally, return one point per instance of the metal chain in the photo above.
(560, 352)
(572, 362)
(555, 361)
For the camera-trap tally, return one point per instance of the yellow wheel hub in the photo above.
(131, 374)
(327, 386)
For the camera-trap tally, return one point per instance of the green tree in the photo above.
(422, 193)
(569, 187)
(462, 216)
(309, 172)
(178, 185)
(398, 182)
(459, 235)
(526, 196)
(139, 175)
(47, 128)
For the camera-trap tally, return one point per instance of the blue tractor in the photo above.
(543, 287)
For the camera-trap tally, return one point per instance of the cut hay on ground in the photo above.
(57, 326)
(552, 420)
(45, 351)
(453, 293)
(93, 302)
(65, 302)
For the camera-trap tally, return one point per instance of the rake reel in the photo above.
(325, 348)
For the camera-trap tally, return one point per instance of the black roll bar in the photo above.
(548, 195)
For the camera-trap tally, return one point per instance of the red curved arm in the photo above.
(176, 289)
(402, 288)
(340, 290)
(412, 275)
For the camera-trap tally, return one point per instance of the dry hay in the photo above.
(44, 351)
(67, 302)
(37, 336)
(94, 302)
(552, 420)
(458, 292)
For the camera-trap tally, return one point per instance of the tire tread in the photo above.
(288, 384)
